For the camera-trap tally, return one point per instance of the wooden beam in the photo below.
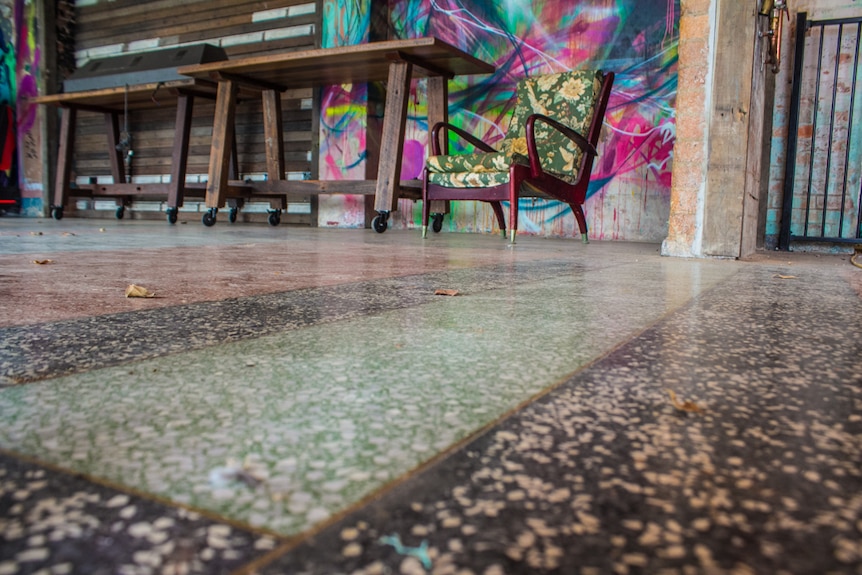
(392, 138)
(180, 153)
(273, 139)
(222, 144)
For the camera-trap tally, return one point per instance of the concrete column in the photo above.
(685, 226)
(717, 157)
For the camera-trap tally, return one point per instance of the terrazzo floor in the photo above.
(297, 400)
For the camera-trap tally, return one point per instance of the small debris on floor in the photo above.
(783, 277)
(687, 405)
(138, 291)
(446, 292)
(250, 473)
(43, 262)
(420, 553)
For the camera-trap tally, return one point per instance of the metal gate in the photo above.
(822, 190)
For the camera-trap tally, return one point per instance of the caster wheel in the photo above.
(172, 215)
(57, 213)
(232, 215)
(274, 218)
(121, 211)
(209, 218)
(379, 223)
(437, 224)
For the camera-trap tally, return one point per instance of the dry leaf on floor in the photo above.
(686, 405)
(43, 262)
(783, 277)
(138, 291)
(446, 292)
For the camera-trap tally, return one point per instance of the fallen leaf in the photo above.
(687, 405)
(782, 277)
(446, 292)
(43, 262)
(138, 291)
(35, 233)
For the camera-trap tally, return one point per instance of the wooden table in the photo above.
(396, 61)
(112, 102)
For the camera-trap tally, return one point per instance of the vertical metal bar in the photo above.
(849, 139)
(859, 196)
(792, 132)
(813, 142)
(831, 129)
(813, 145)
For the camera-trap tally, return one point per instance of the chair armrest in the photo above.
(535, 163)
(435, 138)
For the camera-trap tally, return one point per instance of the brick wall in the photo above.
(689, 162)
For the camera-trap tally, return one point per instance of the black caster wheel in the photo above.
(231, 217)
(172, 215)
(274, 217)
(437, 223)
(379, 223)
(57, 212)
(209, 218)
(121, 211)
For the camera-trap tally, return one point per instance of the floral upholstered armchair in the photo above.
(548, 151)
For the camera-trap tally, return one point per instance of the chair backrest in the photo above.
(568, 97)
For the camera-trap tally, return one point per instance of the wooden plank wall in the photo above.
(242, 28)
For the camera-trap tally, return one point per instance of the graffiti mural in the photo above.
(638, 40)
(9, 194)
(343, 116)
(27, 66)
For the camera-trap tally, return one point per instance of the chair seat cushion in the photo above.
(480, 169)
(468, 179)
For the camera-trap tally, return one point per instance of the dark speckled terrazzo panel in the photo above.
(47, 350)
(761, 474)
(52, 522)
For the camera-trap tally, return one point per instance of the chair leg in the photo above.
(582, 221)
(514, 186)
(498, 211)
(426, 206)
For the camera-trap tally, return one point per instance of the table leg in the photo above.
(392, 137)
(222, 143)
(112, 129)
(180, 154)
(64, 159)
(272, 126)
(438, 111)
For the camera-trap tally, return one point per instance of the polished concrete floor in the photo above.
(296, 400)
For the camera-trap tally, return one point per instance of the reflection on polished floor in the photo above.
(297, 400)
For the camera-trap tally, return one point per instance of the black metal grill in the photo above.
(822, 190)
